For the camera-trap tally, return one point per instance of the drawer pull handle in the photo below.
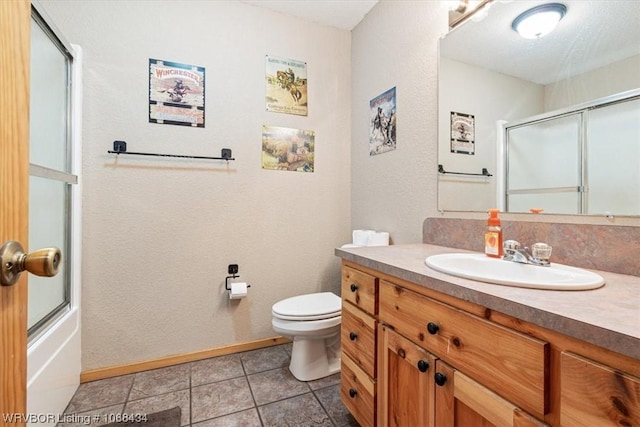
(353, 336)
(354, 287)
(433, 328)
(352, 393)
(423, 366)
(441, 379)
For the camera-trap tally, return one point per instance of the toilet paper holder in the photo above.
(227, 286)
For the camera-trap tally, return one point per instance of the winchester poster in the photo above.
(176, 93)
(286, 81)
(287, 149)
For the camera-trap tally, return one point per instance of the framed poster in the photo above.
(176, 93)
(287, 149)
(463, 131)
(286, 90)
(382, 124)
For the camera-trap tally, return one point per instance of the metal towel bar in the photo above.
(120, 147)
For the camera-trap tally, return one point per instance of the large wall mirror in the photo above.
(551, 123)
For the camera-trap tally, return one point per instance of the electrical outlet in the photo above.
(233, 268)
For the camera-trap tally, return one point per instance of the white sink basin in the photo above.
(495, 270)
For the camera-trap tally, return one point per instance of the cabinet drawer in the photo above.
(593, 394)
(507, 362)
(360, 289)
(357, 391)
(358, 337)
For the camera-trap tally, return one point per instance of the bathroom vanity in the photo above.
(423, 348)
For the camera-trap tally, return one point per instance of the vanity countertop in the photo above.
(608, 317)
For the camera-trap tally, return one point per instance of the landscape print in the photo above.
(286, 86)
(287, 149)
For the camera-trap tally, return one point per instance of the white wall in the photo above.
(158, 233)
(396, 45)
(490, 97)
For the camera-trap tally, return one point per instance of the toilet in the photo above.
(312, 321)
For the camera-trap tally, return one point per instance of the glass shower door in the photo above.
(544, 165)
(613, 159)
(50, 171)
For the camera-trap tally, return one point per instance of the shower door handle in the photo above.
(13, 261)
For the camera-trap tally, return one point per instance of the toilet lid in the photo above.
(318, 306)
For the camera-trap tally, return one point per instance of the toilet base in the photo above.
(312, 359)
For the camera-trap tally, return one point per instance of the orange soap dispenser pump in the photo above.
(493, 235)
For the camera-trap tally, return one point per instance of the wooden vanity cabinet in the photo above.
(359, 344)
(444, 362)
(511, 363)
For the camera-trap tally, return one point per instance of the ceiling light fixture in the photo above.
(539, 21)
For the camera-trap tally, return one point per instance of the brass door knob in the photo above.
(13, 261)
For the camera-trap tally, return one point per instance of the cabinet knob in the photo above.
(423, 365)
(433, 328)
(352, 392)
(440, 378)
(354, 287)
(353, 336)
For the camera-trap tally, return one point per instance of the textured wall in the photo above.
(397, 45)
(158, 233)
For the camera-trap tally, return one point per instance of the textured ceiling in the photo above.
(344, 14)
(592, 34)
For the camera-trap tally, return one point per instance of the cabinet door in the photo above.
(462, 402)
(405, 382)
(593, 394)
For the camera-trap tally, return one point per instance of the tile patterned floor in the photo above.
(254, 388)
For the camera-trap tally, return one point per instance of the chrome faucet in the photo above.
(539, 255)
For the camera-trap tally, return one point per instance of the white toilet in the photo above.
(312, 321)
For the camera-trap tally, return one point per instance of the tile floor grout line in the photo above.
(255, 404)
(126, 399)
(322, 406)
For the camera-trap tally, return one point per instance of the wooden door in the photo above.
(15, 24)
(405, 382)
(462, 402)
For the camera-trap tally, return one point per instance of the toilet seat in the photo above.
(323, 305)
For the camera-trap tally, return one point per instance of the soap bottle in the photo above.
(493, 235)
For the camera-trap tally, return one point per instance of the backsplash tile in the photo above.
(599, 247)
